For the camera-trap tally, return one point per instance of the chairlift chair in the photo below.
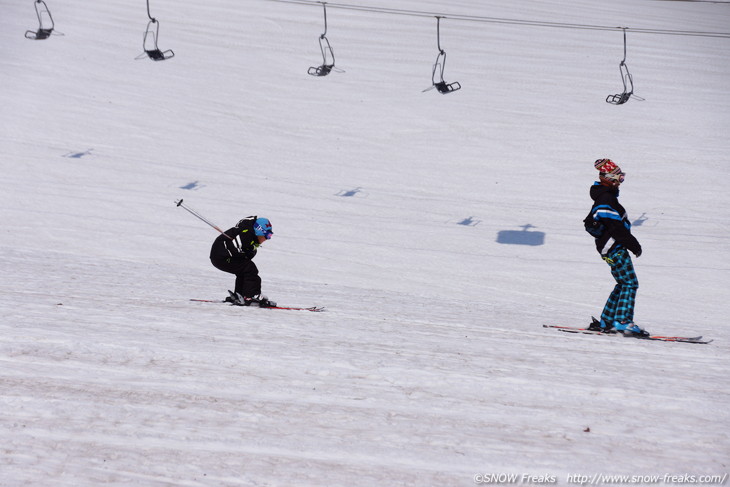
(45, 22)
(442, 86)
(149, 40)
(328, 57)
(325, 68)
(627, 79)
(149, 43)
(621, 98)
(438, 67)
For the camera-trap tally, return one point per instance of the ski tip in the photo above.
(316, 309)
(682, 339)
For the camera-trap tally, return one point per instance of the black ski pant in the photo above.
(248, 282)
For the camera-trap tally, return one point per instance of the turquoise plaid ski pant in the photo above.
(620, 305)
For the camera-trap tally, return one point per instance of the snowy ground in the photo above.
(430, 365)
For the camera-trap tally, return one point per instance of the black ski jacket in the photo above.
(608, 212)
(237, 243)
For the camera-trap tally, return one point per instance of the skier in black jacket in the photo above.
(611, 228)
(233, 252)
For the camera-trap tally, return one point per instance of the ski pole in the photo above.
(201, 217)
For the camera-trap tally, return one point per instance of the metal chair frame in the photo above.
(44, 31)
(438, 81)
(150, 47)
(626, 79)
(326, 48)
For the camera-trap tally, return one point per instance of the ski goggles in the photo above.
(616, 175)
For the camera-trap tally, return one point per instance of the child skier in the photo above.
(233, 252)
(611, 228)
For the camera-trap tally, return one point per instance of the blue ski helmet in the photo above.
(262, 228)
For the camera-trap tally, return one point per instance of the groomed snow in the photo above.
(395, 209)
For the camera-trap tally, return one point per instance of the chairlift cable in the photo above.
(499, 20)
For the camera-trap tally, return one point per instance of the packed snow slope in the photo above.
(441, 233)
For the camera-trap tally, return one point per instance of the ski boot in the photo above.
(263, 301)
(600, 326)
(236, 299)
(632, 330)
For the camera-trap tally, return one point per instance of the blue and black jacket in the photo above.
(608, 222)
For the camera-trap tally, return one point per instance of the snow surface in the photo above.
(395, 209)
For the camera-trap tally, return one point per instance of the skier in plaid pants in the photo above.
(611, 228)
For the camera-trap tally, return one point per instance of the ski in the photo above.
(315, 309)
(586, 331)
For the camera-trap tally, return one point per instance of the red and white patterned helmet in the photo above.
(609, 171)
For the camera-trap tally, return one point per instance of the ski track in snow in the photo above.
(430, 364)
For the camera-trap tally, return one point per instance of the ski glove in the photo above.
(247, 252)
